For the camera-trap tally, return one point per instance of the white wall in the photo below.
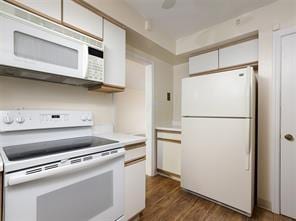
(281, 13)
(180, 71)
(122, 12)
(30, 94)
(130, 105)
(163, 83)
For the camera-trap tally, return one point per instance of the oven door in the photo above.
(89, 190)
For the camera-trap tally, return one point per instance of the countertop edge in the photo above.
(169, 129)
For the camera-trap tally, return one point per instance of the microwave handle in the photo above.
(22, 178)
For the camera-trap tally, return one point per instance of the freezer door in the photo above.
(217, 160)
(227, 94)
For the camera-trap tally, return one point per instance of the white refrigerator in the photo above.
(218, 137)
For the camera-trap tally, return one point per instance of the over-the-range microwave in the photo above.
(35, 48)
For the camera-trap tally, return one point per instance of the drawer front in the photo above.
(169, 135)
(134, 154)
(169, 157)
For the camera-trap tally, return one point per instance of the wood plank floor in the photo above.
(166, 201)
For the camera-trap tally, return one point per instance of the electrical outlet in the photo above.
(168, 96)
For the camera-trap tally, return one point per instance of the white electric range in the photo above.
(55, 169)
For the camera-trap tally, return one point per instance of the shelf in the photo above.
(106, 88)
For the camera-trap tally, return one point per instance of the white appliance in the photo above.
(55, 169)
(39, 49)
(218, 137)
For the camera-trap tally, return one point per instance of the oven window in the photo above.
(30, 47)
(77, 202)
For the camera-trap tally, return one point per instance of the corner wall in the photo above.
(130, 112)
(180, 71)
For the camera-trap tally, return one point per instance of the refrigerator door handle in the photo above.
(247, 163)
(248, 147)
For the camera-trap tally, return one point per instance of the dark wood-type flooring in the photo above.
(166, 201)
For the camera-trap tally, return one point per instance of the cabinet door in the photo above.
(169, 156)
(135, 187)
(82, 19)
(114, 54)
(203, 62)
(50, 9)
(243, 53)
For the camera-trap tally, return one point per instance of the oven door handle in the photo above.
(21, 177)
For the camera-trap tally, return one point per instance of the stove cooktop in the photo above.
(32, 150)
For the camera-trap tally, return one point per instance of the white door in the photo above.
(218, 160)
(226, 94)
(288, 125)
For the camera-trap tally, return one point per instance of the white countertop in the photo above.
(169, 127)
(125, 139)
(106, 131)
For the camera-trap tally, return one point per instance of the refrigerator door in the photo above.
(227, 94)
(218, 160)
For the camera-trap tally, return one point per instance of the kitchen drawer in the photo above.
(134, 152)
(169, 135)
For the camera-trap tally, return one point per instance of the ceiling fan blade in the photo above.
(167, 4)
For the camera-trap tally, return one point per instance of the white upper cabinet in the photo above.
(114, 54)
(238, 54)
(203, 62)
(82, 19)
(50, 9)
(243, 53)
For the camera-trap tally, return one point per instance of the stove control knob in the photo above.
(20, 119)
(89, 118)
(84, 118)
(7, 119)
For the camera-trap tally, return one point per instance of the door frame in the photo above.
(137, 56)
(276, 186)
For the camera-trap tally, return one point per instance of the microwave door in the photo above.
(36, 48)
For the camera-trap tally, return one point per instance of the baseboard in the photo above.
(264, 204)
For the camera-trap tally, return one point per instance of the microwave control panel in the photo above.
(95, 67)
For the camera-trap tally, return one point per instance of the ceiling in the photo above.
(189, 16)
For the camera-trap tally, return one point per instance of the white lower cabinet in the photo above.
(135, 189)
(169, 156)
